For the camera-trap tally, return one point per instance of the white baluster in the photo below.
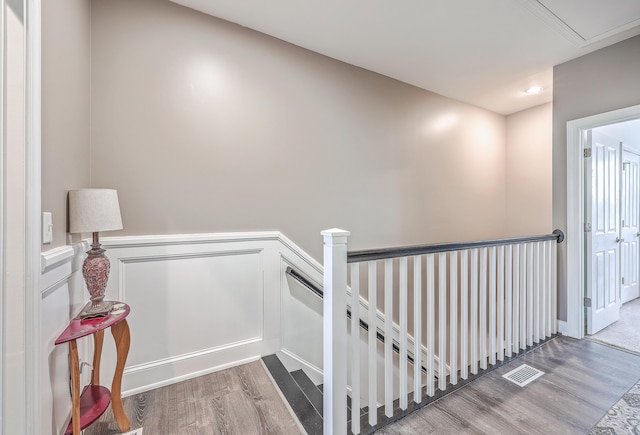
(453, 315)
(508, 327)
(530, 291)
(335, 332)
(442, 317)
(431, 324)
(417, 329)
(536, 292)
(388, 337)
(523, 297)
(474, 312)
(501, 303)
(403, 334)
(373, 354)
(492, 305)
(554, 289)
(549, 247)
(355, 348)
(483, 308)
(516, 298)
(464, 314)
(541, 291)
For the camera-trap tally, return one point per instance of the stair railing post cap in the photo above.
(335, 232)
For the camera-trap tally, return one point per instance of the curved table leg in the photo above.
(122, 338)
(98, 338)
(75, 386)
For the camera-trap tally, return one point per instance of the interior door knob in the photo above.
(618, 240)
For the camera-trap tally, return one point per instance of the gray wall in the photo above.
(528, 177)
(605, 80)
(205, 126)
(65, 106)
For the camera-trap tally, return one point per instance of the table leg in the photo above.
(122, 338)
(75, 386)
(98, 338)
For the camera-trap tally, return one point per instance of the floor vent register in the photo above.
(523, 375)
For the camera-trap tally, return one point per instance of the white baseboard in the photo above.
(191, 375)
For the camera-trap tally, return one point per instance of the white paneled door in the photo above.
(629, 226)
(602, 176)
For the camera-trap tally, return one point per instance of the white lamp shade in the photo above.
(94, 210)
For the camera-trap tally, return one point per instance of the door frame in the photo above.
(33, 206)
(28, 304)
(3, 229)
(575, 270)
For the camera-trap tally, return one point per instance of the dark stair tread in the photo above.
(309, 389)
(308, 416)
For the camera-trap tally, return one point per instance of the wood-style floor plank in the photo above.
(582, 381)
(240, 400)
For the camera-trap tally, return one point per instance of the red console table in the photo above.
(94, 400)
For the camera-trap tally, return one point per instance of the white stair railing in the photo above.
(335, 332)
(461, 308)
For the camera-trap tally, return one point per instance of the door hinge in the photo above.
(587, 227)
(623, 280)
(587, 152)
(587, 302)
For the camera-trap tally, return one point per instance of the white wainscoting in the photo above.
(199, 303)
(63, 295)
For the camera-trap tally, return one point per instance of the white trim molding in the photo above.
(56, 257)
(576, 129)
(33, 126)
(3, 229)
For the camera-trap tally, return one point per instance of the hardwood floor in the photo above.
(239, 400)
(582, 380)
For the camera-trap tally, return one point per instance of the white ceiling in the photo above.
(482, 52)
(627, 132)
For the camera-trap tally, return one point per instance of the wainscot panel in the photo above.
(199, 303)
(63, 295)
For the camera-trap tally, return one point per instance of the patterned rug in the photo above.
(623, 417)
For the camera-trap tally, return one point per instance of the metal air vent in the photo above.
(523, 375)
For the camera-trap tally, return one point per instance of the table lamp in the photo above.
(92, 211)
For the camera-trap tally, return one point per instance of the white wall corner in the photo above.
(562, 327)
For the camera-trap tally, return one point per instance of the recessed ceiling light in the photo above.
(534, 90)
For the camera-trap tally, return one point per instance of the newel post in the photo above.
(335, 331)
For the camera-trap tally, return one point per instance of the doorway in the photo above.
(578, 135)
(612, 198)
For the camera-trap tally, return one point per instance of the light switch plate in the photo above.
(47, 228)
